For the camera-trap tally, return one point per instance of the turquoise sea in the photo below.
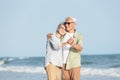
(94, 67)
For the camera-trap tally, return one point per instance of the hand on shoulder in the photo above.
(49, 35)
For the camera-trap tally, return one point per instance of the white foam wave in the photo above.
(2, 62)
(5, 60)
(23, 69)
(113, 72)
(9, 59)
(23, 58)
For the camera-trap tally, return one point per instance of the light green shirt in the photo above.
(74, 57)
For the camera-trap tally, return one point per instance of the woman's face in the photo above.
(61, 30)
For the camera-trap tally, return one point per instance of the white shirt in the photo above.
(53, 51)
(67, 47)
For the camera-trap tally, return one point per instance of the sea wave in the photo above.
(24, 69)
(6, 60)
(113, 72)
(2, 62)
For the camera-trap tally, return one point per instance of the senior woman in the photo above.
(53, 58)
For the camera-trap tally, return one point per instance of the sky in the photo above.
(24, 25)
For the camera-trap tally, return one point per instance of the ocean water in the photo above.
(94, 67)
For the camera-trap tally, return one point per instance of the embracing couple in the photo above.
(63, 52)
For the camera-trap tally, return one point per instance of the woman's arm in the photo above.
(54, 42)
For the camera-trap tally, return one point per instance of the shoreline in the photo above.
(39, 76)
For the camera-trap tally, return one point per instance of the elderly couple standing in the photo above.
(63, 52)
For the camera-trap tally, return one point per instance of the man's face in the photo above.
(69, 25)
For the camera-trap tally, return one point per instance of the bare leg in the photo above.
(65, 73)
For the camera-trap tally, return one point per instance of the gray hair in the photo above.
(59, 26)
(70, 17)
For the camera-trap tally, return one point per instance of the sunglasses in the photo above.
(68, 23)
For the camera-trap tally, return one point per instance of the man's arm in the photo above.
(76, 46)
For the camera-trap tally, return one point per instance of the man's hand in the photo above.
(49, 35)
(70, 41)
(63, 44)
